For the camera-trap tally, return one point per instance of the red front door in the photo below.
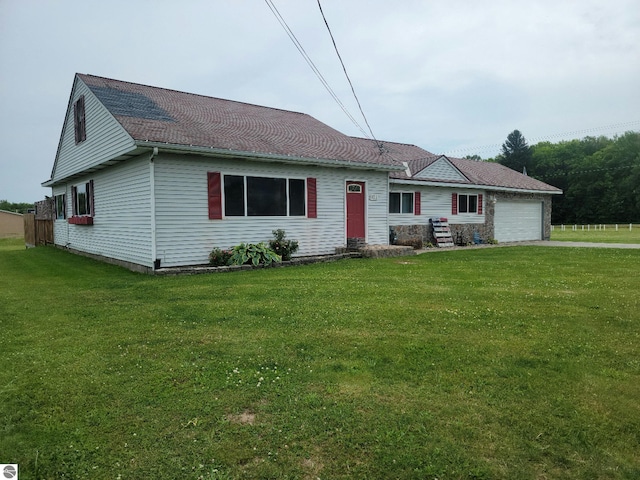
(355, 210)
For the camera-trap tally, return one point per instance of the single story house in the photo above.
(482, 198)
(149, 177)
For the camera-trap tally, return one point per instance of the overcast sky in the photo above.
(450, 76)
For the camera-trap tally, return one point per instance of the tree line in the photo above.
(599, 176)
(15, 207)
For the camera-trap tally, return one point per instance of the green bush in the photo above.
(284, 248)
(253, 254)
(219, 258)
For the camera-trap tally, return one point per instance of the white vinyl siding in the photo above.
(105, 137)
(122, 217)
(185, 235)
(442, 170)
(436, 202)
(518, 220)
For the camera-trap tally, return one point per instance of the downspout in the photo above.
(152, 191)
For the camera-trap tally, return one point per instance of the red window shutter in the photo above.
(74, 200)
(418, 203)
(480, 204)
(214, 188)
(90, 195)
(312, 202)
(454, 204)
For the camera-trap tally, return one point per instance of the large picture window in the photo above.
(401, 202)
(264, 196)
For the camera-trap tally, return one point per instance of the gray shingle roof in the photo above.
(488, 174)
(167, 116)
(158, 115)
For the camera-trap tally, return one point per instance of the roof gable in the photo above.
(443, 170)
(458, 171)
(105, 138)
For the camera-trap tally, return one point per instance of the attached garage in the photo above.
(518, 220)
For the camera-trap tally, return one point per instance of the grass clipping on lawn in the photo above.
(518, 362)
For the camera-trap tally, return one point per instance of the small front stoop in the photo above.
(441, 231)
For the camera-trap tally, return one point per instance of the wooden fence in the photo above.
(36, 231)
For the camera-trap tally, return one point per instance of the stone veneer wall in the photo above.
(463, 233)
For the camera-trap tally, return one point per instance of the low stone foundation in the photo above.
(386, 251)
(462, 234)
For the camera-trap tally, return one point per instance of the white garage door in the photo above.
(518, 220)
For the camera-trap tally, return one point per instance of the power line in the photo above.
(580, 172)
(348, 79)
(313, 66)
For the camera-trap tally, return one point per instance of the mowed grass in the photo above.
(514, 362)
(606, 235)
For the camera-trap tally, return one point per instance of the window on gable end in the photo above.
(79, 120)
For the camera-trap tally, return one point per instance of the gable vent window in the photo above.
(79, 120)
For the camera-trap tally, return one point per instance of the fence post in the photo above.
(616, 227)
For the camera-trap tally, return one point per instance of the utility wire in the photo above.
(315, 69)
(380, 146)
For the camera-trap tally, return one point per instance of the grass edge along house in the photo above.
(149, 177)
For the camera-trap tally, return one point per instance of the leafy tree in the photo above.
(599, 176)
(516, 153)
(15, 207)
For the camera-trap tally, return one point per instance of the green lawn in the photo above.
(501, 363)
(606, 235)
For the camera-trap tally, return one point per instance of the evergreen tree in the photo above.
(516, 154)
